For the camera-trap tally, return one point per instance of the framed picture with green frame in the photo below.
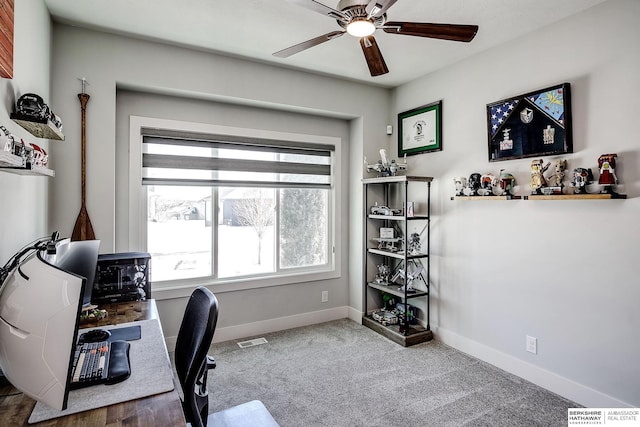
(420, 130)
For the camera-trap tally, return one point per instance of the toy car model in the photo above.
(383, 210)
(385, 317)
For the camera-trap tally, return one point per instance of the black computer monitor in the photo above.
(40, 305)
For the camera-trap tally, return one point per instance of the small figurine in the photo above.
(384, 167)
(607, 165)
(400, 311)
(18, 149)
(460, 183)
(382, 278)
(414, 245)
(505, 184)
(387, 241)
(554, 182)
(581, 178)
(537, 176)
(40, 157)
(486, 184)
(389, 301)
(473, 184)
(410, 277)
(25, 151)
(556, 179)
(7, 138)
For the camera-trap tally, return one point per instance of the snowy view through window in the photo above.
(258, 230)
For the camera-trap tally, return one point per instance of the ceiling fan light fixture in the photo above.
(361, 27)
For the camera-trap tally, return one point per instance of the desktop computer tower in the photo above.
(122, 277)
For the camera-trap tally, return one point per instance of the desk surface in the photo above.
(161, 409)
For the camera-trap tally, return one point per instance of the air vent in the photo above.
(252, 343)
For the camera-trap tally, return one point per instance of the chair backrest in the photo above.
(192, 344)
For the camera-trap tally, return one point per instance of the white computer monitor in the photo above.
(40, 305)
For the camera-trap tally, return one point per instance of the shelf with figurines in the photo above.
(22, 158)
(391, 246)
(485, 187)
(386, 280)
(391, 243)
(553, 188)
(383, 212)
(37, 118)
(397, 319)
(397, 242)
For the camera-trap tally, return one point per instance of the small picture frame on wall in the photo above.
(420, 130)
(531, 125)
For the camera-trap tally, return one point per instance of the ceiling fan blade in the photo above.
(372, 54)
(320, 8)
(459, 33)
(378, 7)
(285, 53)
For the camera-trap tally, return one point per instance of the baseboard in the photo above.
(555, 383)
(355, 315)
(272, 325)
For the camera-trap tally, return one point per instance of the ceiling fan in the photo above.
(361, 18)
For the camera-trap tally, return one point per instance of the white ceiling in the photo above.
(256, 28)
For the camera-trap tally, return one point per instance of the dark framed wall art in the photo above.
(530, 125)
(420, 130)
(6, 39)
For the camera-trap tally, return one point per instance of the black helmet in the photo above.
(32, 105)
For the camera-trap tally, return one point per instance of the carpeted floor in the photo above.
(340, 373)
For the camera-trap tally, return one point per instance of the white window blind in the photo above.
(180, 158)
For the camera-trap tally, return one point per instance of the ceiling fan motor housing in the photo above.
(355, 9)
(346, 4)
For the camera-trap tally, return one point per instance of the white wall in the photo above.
(111, 62)
(24, 199)
(565, 272)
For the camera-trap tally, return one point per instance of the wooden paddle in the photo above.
(83, 230)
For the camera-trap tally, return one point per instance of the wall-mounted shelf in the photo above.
(601, 196)
(508, 197)
(9, 160)
(605, 196)
(13, 164)
(33, 170)
(39, 128)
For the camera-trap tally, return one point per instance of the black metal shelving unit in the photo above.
(395, 190)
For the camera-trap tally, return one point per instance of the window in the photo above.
(223, 207)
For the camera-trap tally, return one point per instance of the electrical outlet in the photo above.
(325, 296)
(532, 345)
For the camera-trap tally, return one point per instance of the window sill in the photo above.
(184, 288)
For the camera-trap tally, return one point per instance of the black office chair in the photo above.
(193, 363)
